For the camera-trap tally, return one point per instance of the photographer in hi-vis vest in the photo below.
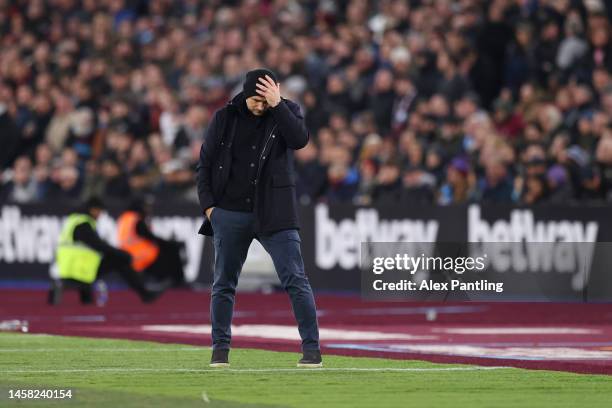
(82, 257)
(159, 260)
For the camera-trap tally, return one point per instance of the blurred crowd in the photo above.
(409, 101)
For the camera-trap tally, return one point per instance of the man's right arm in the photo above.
(204, 172)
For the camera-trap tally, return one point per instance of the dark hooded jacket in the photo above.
(275, 205)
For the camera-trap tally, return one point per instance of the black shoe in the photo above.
(150, 296)
(311, 358)
(220, 358)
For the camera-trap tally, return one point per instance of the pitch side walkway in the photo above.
(567, 337)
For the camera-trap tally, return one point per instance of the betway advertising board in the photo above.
(332, 236)
(29, 235)
(553, 253)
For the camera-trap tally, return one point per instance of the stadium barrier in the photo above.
(331, 235)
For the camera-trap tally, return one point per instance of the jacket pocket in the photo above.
(282, 180)
(280, 211)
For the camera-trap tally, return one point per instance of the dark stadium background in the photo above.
(430, 120)
(416, 110)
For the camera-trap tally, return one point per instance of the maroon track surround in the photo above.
(590, 325)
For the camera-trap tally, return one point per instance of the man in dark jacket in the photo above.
(246, 187)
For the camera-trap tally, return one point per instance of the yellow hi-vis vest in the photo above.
(75, 260)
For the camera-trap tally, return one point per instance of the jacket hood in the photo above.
(236, 100)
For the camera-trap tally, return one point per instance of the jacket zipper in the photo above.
(262, 155)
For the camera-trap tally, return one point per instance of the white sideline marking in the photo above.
(109, 350)
(275, 331)
(517, 330)
(250, 370)
(518, 353)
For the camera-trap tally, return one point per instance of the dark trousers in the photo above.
(129, 276)
(233, 233)
(108, 265)
(168, 264)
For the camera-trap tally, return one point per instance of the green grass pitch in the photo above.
(121, 373)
